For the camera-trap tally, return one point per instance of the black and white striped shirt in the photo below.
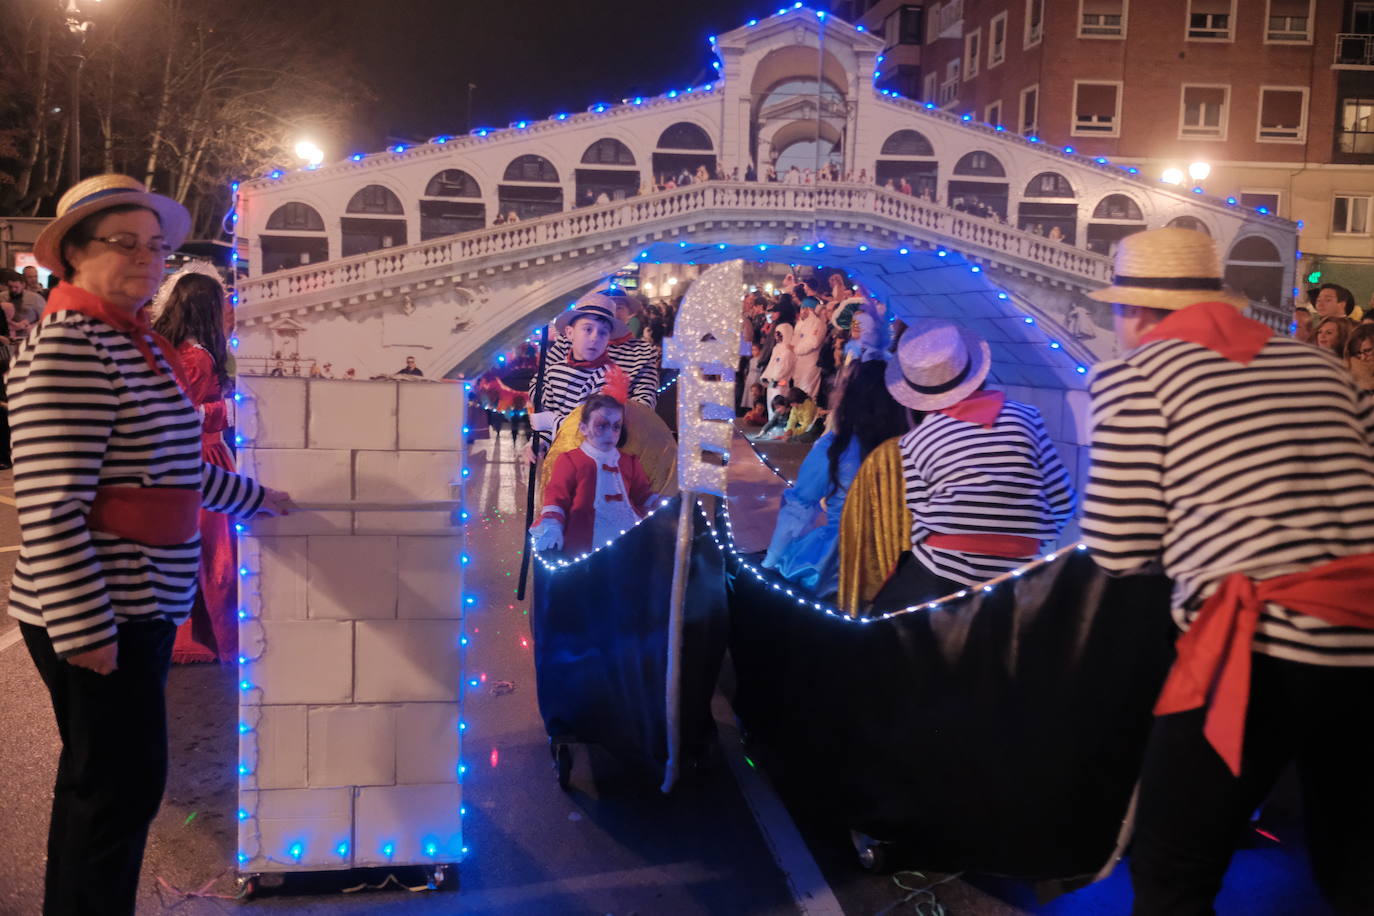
(962, 478)
(86, 411)
(1215, 467)
(639, 359)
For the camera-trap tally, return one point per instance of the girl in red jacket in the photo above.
(595, 492)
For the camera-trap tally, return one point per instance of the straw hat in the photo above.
(599, 305)
(938, 364)
(101, 192)
(1167, 269)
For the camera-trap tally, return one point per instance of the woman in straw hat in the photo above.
(1241, 462)
(983, 482)
(109, 483)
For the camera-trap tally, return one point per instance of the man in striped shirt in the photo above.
(1241, 462)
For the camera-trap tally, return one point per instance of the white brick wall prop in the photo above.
(351, 627)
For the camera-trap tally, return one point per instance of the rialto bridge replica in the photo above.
(412, 251)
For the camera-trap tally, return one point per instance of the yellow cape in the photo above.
(874, 529)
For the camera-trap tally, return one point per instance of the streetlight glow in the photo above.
(1199, 171)
(309, 152)
(1172, 176)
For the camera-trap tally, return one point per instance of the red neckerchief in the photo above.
(1212, 669)
(1218, 326)
(603, 360)
(981, 407)
(68, 298)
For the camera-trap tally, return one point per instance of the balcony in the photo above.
(948, 20)
(1354, 51)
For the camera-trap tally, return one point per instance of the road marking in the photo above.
(10, 637)
(810, 891)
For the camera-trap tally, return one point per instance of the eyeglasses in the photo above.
(128, 242)
(1366, 352)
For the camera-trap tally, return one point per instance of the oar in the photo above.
(537, 406)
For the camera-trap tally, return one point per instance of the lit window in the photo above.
(997, 40)
(1289, 20)
(1096, 109)
(1357, 126)
(1209, 20)
(1102, 19)
(1030, 113)
(1204, 112)
(1283, 114)
(972, 48)
(1035, 22)
(1350, 215)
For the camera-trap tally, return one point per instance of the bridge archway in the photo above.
(1254, 267)
(1115, 217)
(682, 147)
(979, 181)
(908, 155)
(295, 235)
(608, 167)
(375, 219)
(1049, 203)
(529, 188)
(452, 203)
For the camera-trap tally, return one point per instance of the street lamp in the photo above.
(1199, 171)
(77, 24)
(310, 153)
(1172, 176)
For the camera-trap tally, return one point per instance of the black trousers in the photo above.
(112, 769)
(1192, 812)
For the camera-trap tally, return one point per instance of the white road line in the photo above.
(810, 891)
(10, 637)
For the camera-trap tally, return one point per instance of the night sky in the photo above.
(529, 58)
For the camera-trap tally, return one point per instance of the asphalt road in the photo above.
(612, 845)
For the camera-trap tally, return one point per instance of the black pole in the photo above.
(534, 465)
(74, 131)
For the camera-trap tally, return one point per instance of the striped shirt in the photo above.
(962, 478)
(86, 411)
(639, 359)
(1215, 467)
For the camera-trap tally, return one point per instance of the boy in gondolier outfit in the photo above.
(1240, 461)
(637, 357)
(587, 329)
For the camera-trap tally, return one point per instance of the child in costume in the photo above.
(596, 491)
(638, 357)
(589, 327)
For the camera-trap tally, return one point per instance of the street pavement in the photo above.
(611, 845)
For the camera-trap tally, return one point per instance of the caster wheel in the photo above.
(873, 854)
(563, 763)
(246, 886)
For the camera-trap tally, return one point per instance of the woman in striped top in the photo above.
(1241, 462)
(983, 481)
(109, 482)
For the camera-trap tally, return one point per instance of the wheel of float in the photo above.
(563, 762)
(247, 886)
(873, 854)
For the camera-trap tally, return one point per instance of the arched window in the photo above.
(296, 217)
(531, 168)
(608, 151)
(453, 183)
(907, 143)
(684, 135)
(980, 163)
(1118, 206)
(375, 199)
(1049, 184)
(1256, 250)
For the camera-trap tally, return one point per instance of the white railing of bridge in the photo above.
(811, 201)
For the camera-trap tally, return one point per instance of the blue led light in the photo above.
(1069, 150)
(904, 251)
(1197, 190)
(967, 117)
(243, 815)
(234, 342)
(234, 186)
(467, 472)
(1054, 345)
(863, 247)
(238, 440)
(442, 139)
(1033, 139)
(431, 848)
(356, 157)
(930, 105)
(672, 93)
(470, 600)
(243, 769)
(1028, 320)
(561, 116)
(1133, 170)
(399, 148)
(388, 849)
(942, 253)
(752, 22)
(244, 728)
(859, 28)
(1100, 160)
(1001, 295)
(342, 850)
(976, 269)
(239, 528)
(462, 641)
(465, 559)
(245, 685)
(1261, 209)
(243, 570)
(276, 173)
(1081, 370)
(243, 660)
(243, 859)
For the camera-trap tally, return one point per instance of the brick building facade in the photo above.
(1275, 96)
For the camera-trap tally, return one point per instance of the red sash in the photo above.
(1213, 664)
(156, 516)
(1007, 546)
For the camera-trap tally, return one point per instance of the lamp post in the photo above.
(77, 24)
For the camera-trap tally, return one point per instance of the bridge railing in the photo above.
(808, 201)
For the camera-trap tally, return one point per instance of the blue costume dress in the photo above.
(799, 551)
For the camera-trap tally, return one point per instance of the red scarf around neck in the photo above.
(68, 298)
(1218, 326)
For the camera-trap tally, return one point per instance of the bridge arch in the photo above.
(295, 235)
(1255, 267)
(1049, 207)
(374, 218)
(908, 155)
(530, 187)
(978, 181)
(683, 146)
(1114, 217)
(608, 166)
(1187, 221)
(452, 203)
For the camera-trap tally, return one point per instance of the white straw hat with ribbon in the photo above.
(938, 364)
(1167, 269)
(599, 304)
(101, 192)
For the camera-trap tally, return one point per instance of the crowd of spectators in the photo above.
(1332, 320)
